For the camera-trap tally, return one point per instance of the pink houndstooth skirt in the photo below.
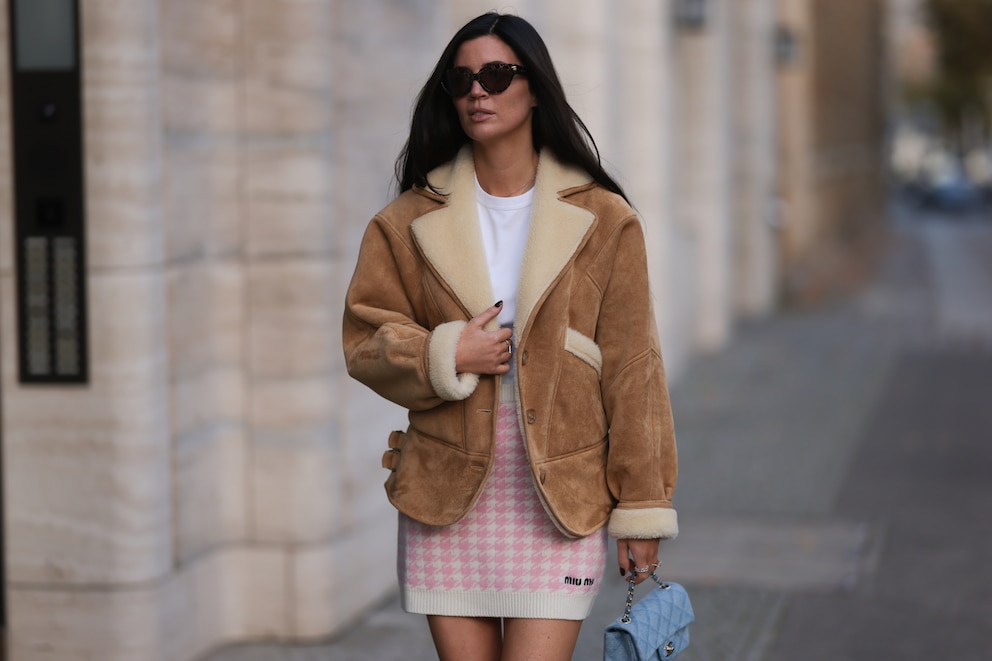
(505, 558)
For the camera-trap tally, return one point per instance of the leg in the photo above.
(466, 638)
(539, 640)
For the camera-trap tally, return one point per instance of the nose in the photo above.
(477, 89)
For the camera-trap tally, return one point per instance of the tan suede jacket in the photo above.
(591, 388)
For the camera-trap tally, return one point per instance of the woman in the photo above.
(536, 423)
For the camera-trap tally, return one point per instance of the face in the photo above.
(489, 119)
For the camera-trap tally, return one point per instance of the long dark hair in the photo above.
(436, 134)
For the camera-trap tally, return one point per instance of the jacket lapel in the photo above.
(451, 240)
(557, 229)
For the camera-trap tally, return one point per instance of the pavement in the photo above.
(835, 493)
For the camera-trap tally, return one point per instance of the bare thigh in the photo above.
(539, 640)
(466, 638)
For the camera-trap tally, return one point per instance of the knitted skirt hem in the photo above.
(486, 603)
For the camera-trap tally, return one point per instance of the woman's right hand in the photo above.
(484, 352)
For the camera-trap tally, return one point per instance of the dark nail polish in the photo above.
(622, 572)
(499, 304)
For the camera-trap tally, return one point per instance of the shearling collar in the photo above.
(451, 240)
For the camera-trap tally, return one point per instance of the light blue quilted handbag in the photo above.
(655, 629)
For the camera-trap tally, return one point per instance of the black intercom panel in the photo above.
(49, 200)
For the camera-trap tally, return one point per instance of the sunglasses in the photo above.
(494, 78)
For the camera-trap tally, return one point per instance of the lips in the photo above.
(479, 114)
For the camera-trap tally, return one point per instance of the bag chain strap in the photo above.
(630, 594)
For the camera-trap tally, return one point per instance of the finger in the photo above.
(641, 562)
(645, 556)
(487, 315)
(623, 559)
(500, 349)
(505, 348)
(502, 354)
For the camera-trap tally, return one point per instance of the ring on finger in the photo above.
(509, 347)
(642, 570)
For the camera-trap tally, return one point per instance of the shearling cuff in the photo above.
(650, 523)
(447, 383)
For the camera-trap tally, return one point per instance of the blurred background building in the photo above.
(216, 478)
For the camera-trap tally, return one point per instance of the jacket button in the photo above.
(531, 416)
(523, 358)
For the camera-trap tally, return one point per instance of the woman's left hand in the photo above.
(638, 553)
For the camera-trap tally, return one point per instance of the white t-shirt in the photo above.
(504, 222)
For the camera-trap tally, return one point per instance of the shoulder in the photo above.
(408, 206)
(418, 201)
(574, 185)
(611, 210)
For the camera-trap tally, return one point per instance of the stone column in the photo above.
(796, 143)
(305, 62)
(578, 35)
(704, 127)
(201, 107)
(755, 194)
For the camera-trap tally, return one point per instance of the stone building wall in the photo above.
(832, 101)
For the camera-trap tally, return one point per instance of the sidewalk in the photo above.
(836, 478)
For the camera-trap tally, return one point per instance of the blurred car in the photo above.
(945, 185)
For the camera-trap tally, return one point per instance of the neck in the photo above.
(507, 173)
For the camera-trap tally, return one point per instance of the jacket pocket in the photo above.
(432, 481)
(578, 416)
(575, 488)
(585, 349)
